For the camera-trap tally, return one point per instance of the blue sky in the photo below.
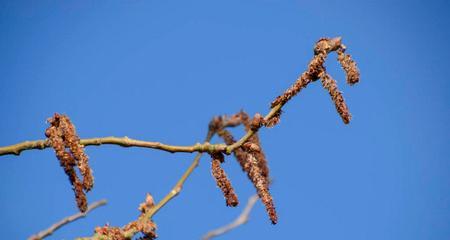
(159, 70)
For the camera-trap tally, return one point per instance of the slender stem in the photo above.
(16, 149)
(173, 193)
(179, 185)
(242, 219)
(47, 232)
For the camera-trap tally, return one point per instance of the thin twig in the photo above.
(16, 149)
(173, 193)
(242, 219)
(47, 232)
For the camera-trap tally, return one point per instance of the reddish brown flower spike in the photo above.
(62, 135)
(331, 85)
(349, 66)
(222, 180)
(262, 187)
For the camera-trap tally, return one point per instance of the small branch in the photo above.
(173, 193)
(49, 231)
(16, 149)
(242, 219)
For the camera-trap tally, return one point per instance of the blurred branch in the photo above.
(49, 231)
(242, 219)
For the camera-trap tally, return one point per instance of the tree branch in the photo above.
(316, 70)
(240, 220)
(49, 231)
(16, 149)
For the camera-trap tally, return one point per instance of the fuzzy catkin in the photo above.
(70, 153)
(239, 153)
(72, 141)
(349, 66)
(330, 84)
(222, 180)
(262, 187)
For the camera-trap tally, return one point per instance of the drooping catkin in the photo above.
(239, 153)
(73, 142)
(80, 195)
(330, 84)
(261, 185)
(62, 136)
(316, 70)
(222, 180)
(253, 161)
(349, 66)
(255, 123)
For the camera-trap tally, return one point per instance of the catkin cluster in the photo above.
(70, 153)
(142, 225)
(250, 156)
(316, 70)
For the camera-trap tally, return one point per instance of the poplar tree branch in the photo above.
(69, 150)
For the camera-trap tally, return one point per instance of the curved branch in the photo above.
(240, 220)
(49, 231)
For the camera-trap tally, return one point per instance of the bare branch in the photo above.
(242, 219)
(49, 231)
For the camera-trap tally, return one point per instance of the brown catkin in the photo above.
(307, 77)
(70, 153)
(349, 66)
(142, 225)
(315, 66)
(73, 142)
(259, 155)
(274, 120)
(222, 180)
(254, 163)
(239, 153)
(262, 186)
(80, 195)
(330, 84)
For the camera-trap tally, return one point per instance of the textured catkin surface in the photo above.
(222, 180)
(70, 153)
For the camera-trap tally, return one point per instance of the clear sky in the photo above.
(159, 70)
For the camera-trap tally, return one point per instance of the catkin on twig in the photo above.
(142, 225)
(62, 136)
(252, 159)
(222, 180)
(349, 66)
(330, 84)
(262, 187)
